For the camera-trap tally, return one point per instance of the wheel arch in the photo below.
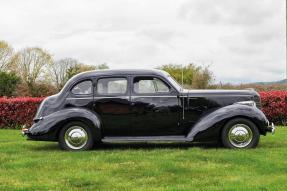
(96, 131)
(211, 124)
(256, 123)
(249, 130)
(49, 126)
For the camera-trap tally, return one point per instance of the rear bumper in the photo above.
(24, 131)
(271, 128)
(38, 137)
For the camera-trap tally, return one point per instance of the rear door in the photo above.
(80, 95)
(155, 107)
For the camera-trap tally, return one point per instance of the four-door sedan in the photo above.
(146, 105)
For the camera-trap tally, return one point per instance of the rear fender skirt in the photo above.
(209, 120)
(48, 123)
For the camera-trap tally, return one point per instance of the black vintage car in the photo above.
(146, 105)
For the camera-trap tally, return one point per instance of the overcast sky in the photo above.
(241, 40)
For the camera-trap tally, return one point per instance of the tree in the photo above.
(59, 71)
(6, 55)
(192, 75)
(30, 63)
(201, 78)
(78, 68)
(102, 66)
(8, 83)
(176, 72)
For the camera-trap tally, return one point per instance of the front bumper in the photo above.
(271, 128)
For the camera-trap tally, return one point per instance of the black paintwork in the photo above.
(180, 114)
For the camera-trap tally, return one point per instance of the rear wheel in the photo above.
(240, 133)
(76, 136)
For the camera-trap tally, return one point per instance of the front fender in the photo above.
(211, 119)
(49, 123)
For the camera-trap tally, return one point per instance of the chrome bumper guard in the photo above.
(271, 128)
(24, 131)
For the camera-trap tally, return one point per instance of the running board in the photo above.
(148, 138)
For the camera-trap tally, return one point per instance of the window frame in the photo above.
(78, 82)
(156, 93)
(96, 94)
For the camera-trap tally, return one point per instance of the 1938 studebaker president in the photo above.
(146, 105)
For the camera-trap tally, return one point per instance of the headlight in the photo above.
(249, 103)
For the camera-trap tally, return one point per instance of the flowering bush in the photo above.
(18, 111)
(274, 105)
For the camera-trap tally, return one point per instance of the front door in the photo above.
(112, 103)
(155, 107)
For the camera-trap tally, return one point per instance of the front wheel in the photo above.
(240, 133)
(76, 136)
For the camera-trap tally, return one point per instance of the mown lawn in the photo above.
(28, 165)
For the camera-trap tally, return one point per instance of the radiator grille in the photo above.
(257, 101)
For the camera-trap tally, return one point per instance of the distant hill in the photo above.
(284, 81)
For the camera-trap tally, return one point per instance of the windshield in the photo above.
(174, 83)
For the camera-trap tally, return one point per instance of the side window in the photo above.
(161, 86)
(83, 88)
(144, 85)
(112, 86)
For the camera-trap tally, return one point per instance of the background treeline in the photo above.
(34, 72)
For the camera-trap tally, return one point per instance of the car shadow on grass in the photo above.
(136, 146)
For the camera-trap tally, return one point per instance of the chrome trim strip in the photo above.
(150, 96)
(212, 95)
(134, 96)
(107, 97)
(71, 98)
(193, 97)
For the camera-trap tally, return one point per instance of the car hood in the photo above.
(221, 92)
(219, 98)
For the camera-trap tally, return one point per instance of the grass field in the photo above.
(28, 165)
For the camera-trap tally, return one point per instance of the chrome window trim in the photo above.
(106, 97)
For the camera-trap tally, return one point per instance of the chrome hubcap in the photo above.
(76, 137)
(240, 135)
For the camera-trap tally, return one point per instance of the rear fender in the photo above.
(209, 120)
(49, 123)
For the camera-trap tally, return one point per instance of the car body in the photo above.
(144, 105)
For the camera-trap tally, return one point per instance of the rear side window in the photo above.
(107, 86)
(83, 88)
(145, 85)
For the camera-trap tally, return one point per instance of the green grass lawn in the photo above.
(28, 165)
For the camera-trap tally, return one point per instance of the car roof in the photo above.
(109, 72)
(113, 72)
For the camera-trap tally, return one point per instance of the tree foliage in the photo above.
(30, 64)
(78, 68)
(102, 66)
(36, 74)
(6, 55)
(202, 78)
(8, 83)
(197, 77)
(59, 71)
